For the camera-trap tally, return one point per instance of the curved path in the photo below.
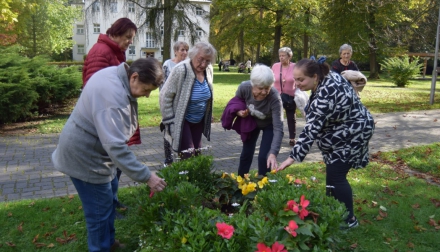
(26, 170)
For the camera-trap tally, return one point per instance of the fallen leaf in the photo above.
(9, 214)
(382, 214)
(40, 245)
(46, 209)
(32, 204)
(353, 246)
(51, 245)
(20, 227)
(71, 196)
(410, 245)
(35, 238)
(379, 218)
(432, 222)
(374, 203)
(10, 244)
(436, 202)
(419, 228)
(415, 206)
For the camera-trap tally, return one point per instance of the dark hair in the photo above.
(149, 70)
(120, 27)
(311, 67)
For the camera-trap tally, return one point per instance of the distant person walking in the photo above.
(249, 65)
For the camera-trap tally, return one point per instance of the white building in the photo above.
(100, 14)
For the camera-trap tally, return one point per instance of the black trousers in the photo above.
(338, 186)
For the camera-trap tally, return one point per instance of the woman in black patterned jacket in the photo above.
(340, 124)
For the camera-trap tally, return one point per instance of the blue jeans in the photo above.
(98, 203)
(247, 153)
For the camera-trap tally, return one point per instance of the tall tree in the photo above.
(173, 16)
(375, 28)
(45, 27)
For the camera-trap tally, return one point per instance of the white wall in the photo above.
(105, 20)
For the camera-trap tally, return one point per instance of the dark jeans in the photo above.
(291, 122)
(247, 153)
(338, 186)
(191, 138)
(98, 205)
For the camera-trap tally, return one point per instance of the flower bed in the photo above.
(206, 210)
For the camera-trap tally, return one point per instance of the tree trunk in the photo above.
(372, 48)
(167, 30)
(257, 57)
(306, 36)
(277, 37)
(241, 45)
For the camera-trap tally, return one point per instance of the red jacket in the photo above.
(103, 54)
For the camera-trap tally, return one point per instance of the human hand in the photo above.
(156, 183)
(285, 164)
(243, 113)
(272, 162)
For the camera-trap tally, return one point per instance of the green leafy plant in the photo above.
(206, 210)
(401, 69)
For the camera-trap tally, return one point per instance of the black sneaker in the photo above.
(350, 224)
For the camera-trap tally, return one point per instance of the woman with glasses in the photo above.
(186, 101)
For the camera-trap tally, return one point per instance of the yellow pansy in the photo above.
(184, 240)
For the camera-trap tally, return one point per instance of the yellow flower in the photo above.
(290, 177)
(244, 190)
(184, 240)
(256, 174)
(261, 184)
(252, 186)
(232, 175)
(239, 179)
(246, 176)
(224, 175)
(273, 171)
(265, 180)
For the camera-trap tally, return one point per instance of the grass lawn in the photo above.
(397, 212)
(379, 96)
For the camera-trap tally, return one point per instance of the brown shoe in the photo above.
(117, 245)
(292, 142)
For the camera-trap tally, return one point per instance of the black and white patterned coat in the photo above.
(338, 121)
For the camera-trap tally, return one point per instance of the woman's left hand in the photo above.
(272, 162)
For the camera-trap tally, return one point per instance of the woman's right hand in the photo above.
(156, 183)
(285, 164)
(243, 113)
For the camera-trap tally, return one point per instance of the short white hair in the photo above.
(262, 76)
(345, 47)
(286, 50)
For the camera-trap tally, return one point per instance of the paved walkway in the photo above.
(26, 170)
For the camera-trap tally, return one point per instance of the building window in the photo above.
(96, 7)
(96, 28)
(199, 11)
(161, 30)
(199, 32)
(131, 7)
(181, 32)
(149, 43)
(79, 29)
(114, 6)
(132, 50)
(80, 49)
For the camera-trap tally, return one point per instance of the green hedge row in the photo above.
(28, 86)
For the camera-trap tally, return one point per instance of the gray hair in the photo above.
(286, 50)
(345, 47)
(202, 47)
(177, 45)
(262, 76)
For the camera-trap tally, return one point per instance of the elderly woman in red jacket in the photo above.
(110, 51)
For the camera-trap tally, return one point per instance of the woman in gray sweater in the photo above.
(94, 142)
(264, 104)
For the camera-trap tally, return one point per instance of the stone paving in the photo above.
(26, 170)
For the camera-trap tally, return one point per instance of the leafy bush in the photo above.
(401, 69)
(30, 85)
(277, 210)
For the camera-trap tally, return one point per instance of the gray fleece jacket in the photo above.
(174, 98)
(94, 140)
(265, 112)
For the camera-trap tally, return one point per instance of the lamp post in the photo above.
(434, 74)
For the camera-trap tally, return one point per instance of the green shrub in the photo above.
(184, 217)
(30, 85)
(400, 69)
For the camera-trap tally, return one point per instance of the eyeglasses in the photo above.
(204, 62)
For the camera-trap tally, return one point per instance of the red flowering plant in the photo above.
(279, 213)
